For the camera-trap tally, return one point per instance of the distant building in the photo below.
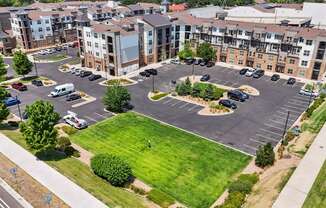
(7, 42)
(178, 7)
(208, 12)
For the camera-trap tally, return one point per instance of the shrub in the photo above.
(252, 178)
(265, 155)
(70, 151)
(289, 136)
(137, 190)
(234, 200)
(159, 96)
(160, 198)
(63, 143)
(240, 186)
(69, 130)
(111, 168)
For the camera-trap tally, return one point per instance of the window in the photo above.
(306, 53)
(41, 36)
(269, 67)
(39, 22)
(103, 36)
(150, 51)
(96, 45)
(47, 21)
(104, 46)
(89, 43)
(88, 34)
(240, 62)
(150, 33)
(150, 42)
(278, 37)
(47, 28)
(248, 33)
(188, 28)
(291, 61)
(241, 53)
(95, 35)
(240, 32)
(258, 66)
(40, 29)
(290, 71)
(301, 40)
(274, 47)
(269, 36)
(304, 63)
(260, 56)
(308, 42)
(97, 54)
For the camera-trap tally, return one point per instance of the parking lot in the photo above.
(259, 120)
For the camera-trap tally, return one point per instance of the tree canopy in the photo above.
(4, 112)
(38, 130)
(206, 51)
(21, 64)
(186, 52)
(3, 68)
(116, 98)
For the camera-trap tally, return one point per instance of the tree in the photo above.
(38, 130)
(112, 168)
(188, 86)
(265, 155)
(209, 92)
(21, 64)
(3, 68)
(206, 51)
(62, 143)
(3, 94)
(116, 98)
(186, 52)
(4, 112)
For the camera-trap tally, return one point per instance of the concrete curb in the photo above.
(14, 194)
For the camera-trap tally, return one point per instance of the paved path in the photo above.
(61, 186)
(296, 190)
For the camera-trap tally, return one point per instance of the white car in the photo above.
(72, 119)
(308, 93)
(175, 61)
(250, 72)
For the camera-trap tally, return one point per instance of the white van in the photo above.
(63, 89)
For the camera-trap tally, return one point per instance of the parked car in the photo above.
(37, 82)
(74, 96)
(189, 61)
(10, 101)
(58, 48)
(236, 95)
(275, 77)
(73, 70)
(94, 77)
(244, 94)
(197, 61)
(291, 81)
(210, 64)
(43, 52)
(151, 71)
(25, 115)
(203, 63)
(250, 72)
(243, 71)
(78, 71)
(144, 74)
(205, 78)
(85, 73)
(72, 119)
(308, 92)
(63, 89)
(19, 86)
(227, 103)
(175, 61)
(258, 73)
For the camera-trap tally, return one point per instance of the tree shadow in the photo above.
(10, 125)
(50, 155)
(29, 78)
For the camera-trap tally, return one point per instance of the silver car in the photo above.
(308, 93)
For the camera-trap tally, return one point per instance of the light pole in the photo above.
(193, 71)
(286, 123)
(153, 84)
(18, 106)
(310, 97)
(35, 66)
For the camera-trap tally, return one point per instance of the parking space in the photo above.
(182, 105)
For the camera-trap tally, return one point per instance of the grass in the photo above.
(118, 81)
(191, 169)
(317, 194)
(160, 198)
(285, 179)
(74, 61)
(159, 95)
(316, 121)
(54, 57)
(84, 177)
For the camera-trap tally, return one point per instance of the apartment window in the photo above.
(308, 42)
(150, 33)
(88, 34)
(278, 37)
(104, 46)
(269, 36)
(39, 22)
(177, 28)
(110, 48)
(231, 51)
(95, 35)
(241, 53)
(89, 43)
(41, 36)
(40, 29)
(109, 39)
(274, 47)
(188, 28)
(47, 28)
(258, 66)
(290, 71)
(47, 21)
(260, 56)
(96, 45)
(270, 57)
(291, 61)
(301, 40)
(269, 67)
(150, 51)
(240, 62)
(240, 32)
(304, 63)
(97, 54)
(306, 53)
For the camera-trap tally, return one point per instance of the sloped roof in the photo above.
(156, 20)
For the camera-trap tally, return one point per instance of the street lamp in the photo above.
(18, 106)
(310, 97)
(193, 71)
(35, 66)
(286, 123)
(153, 83)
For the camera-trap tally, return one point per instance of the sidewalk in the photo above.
(296, 190)
(61, 186)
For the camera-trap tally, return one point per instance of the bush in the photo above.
(159, 96)
(206, 91)
(69, 130)
(289, 136)
(234, 200)
(63, 143)
(70, 151)
(252, 178)
(265, 155)
(240, 186)
(137, 190)
(160, 198)
(111, 168)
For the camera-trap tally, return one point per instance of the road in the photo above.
(7, 201)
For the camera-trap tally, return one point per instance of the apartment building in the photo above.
(37, 28)
(295, 51)
(111, 47)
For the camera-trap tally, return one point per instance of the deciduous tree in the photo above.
(116, 98)
(4, 112)
(206, 52)
(265, 155)
(21, 64)
(3, 68)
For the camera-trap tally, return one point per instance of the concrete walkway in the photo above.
(61, 186)
(296, 190)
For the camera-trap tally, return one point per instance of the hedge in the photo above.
(234, 200)
(111, 168)
(315, 105)
(160, 198)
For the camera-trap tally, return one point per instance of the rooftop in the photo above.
(156, 20)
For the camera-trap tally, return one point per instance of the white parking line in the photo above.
(299, 97)
(268, 138)
(292, 111)
(283, 117)
(182, 106)
(299, 101)
(259, 142)
(179, 101)
(193, 107)
(167, 101)
(89, 118)
(250, 147)
(234, 84)
(295, 107)
(285, 83)
(278, 122)
(271, 132)
(276, 127)
(100, 115)
(298, 104)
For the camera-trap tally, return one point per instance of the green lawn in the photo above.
(84, 177)
(192, 170)
(317, 195)
(317, 120)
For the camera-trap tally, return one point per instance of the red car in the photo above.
(19, 86)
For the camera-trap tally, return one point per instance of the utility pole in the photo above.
(286, 123)
(35, 66)
(19, 112)
(193, 72)
(153, 84)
